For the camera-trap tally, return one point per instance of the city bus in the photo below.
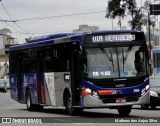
(100, 69)
(155, 56)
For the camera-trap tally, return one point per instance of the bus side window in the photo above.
(48, 65)
(25, 62)
(61, 61)
(13, 62)
(33, 61)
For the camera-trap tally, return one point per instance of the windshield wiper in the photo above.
(126, 56)
(106, 54)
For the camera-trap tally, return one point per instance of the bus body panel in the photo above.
(132, 95)
(105, 96)
(62, 82)
(92, 102)
(30, 81)
(55, 83)
(13, 87)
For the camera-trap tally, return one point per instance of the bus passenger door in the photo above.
(75, 74)
(40, 85)
(19, 82)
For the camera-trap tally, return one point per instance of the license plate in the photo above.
(120, 100)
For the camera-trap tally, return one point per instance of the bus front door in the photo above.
(75, 75)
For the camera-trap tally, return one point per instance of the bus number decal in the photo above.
(136, 90)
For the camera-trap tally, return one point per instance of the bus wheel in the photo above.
(29, 104)
(39, 107)
(144, 107)
(153, 106)
(69, 108)
(4, 90)
(124, 110)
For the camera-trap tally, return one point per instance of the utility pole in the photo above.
(149, 41)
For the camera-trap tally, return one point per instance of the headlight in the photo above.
(88, 90)
(144, 90)
(147, 87)
(91, 92)
(154, 94)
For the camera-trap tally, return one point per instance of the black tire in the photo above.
(153, 106)
(39, 107)
(144, 107)
(4, 90)
(69, 108)
(124, 110)
(30, 106)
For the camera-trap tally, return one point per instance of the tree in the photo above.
(122, 8)
(138, 20)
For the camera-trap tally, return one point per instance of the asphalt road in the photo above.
(17, 113)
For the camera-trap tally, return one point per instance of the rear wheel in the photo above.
(30, 106)
(124, 110)
(69, 107)
(4, 90)
(39, 107)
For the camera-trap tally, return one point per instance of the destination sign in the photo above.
(112, 38)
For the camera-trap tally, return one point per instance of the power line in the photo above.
(59, 16)
(11, 17)
(5, 21)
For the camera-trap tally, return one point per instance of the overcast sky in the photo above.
(28, 9)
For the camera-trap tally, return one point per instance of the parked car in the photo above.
(154, 94)
(4, 85)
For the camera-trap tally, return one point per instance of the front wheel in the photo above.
(153, 106)
(124, 110)
(69, 107)
(144, 107)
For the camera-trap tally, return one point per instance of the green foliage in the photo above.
(118, 8)
(122, 8)
(138, 20)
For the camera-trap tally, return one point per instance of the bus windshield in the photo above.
(115, 62)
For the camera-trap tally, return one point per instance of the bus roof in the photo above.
(62, 38)
(48, 37)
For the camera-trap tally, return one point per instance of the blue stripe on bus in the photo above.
(125, 90)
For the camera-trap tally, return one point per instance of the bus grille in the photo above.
(111, 84)
(108, 99)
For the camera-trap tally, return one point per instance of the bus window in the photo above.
(13, 63)
(33, 61)
(25, 62)
(48, 67)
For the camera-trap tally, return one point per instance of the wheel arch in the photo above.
(66, 91)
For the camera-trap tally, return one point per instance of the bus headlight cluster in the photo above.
(154, 94)
(144, 90)
(91, 92)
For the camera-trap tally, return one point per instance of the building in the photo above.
(5, 41)
(85, 28)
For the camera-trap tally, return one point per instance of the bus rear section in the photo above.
(106, 69)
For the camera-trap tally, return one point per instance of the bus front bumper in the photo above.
(92, 102)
